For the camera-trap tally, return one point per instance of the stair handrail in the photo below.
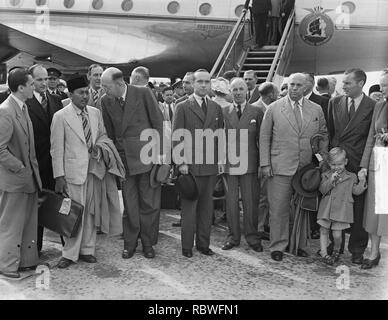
(282, 44)
(230, 43)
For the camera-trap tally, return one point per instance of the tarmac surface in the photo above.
(240, 273)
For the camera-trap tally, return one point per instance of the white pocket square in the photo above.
(216, 119)
(253, 121)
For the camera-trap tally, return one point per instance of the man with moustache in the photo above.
(239, 117)
(74, 132)
(19, 179)
(349, 120)
(187, 84)
(198, 112)
(95, 89)
(127, 111)
(41, 109)
(287, 128)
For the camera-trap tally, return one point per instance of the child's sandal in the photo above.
(328, 260)
(335, 256)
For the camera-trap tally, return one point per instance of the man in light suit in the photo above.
(95, 89)
(287, 128)
(168, 106)
(350, 116)
(41, 108)
(74, 132)
(268, 94)
(250, 79)
(19, 179)
(198, 112)
(240, 117)
(127, 111)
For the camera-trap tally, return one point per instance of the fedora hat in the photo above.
(159, 174)
(187, 186)
(307, 180)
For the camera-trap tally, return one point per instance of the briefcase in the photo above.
(59, 214)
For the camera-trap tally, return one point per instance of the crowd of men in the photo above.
(81, 143)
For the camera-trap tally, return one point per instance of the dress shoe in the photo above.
(188, 253)
(302, 253)
(357, 259)
(257, 247)
(277, 255)
(64, 263)
(315, 234)
(127, 254)
(10, 274)
(88, 258)
(228, 245)
(177, 224)
(369, 264)
(149, 252)
(206, 252)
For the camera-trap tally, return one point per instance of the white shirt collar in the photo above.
(38, 96)
(357, 101)
(243, 105)
(264, 104)
(78, 110)
(18, 101)
(125, 93)
(199, 99)
(300, 101)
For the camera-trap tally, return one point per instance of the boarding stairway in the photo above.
(238, 53)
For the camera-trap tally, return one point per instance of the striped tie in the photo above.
(44, 101)
(95, 96)
(87, 131)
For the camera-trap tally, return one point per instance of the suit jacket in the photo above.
(282, 145)
(255, 95)
(3, 96)
(287, 6)
(322, 101)
(351, 136)
(190, 116)
(69, 151)
(259, 103)
(19, 171)
(91, 103)
(181, 99)
(261, 6)
(41, 122)
(251, 120)
(62, 95)
(124, 127)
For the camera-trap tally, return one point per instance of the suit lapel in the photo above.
(194, 106)
(307, 115)
(244, 120)
(360, 114)
(232, 115)
(289, 115)
(93, 125)
(129, 107)
(19, 116)
(211, 111)
(36, 108)
(72, 119)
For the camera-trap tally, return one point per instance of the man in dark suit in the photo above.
(285, 11)
(323, 102)
(250, 79)
(323, 87)
(127, 111)
(198, 112)
(350, 116)
(239, 117)
(53, 81)
(261, 10)
(41, 108)
(4, 95)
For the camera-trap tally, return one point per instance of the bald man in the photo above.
(239, 117)
(128, 110)
(287, 128)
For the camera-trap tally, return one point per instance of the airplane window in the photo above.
(239, 9)
(127, 5)
(173, 7)
(68, 3)
(205, 9)
(40, 2)
(97, 4)
(14, 3)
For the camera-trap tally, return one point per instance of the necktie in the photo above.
(87, 131)
(248, 95)
(203, 106)
(352, 109)
(239, 113)
(298, 116)
(122, 103)
(95, 96)
(170, 112)
(44, 101)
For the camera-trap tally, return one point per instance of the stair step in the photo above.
(259, 66)
(258, 54)
(261, 60)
